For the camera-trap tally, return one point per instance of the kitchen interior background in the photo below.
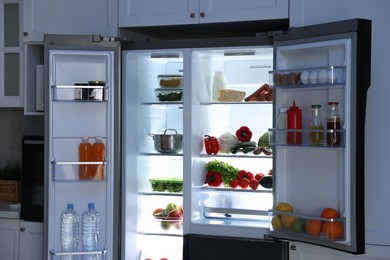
(13, 126)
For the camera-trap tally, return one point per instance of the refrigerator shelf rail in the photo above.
(54, 253)
(278, 137)
(209, 103)
(238, 155)
(80, 93)
(239, 190)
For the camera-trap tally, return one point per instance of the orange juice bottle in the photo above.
(98, 155)
(85, 155)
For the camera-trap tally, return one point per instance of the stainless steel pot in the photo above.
(168, 143)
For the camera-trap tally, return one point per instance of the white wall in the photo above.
(377, 188)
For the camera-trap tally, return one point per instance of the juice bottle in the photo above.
(85, 155)
(294, 121)
(316, 137)
(98, 155)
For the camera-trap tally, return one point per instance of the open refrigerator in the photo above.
(132, 117)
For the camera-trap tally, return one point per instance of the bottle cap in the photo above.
(333, 103)
(91, 205)
(70, 206)
(316, 106)
(283, 109)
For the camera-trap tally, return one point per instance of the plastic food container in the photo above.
(170, 80)
(167, 184)
(169, 94)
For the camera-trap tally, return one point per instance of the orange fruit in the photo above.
(313, 227)
(332, 230)
(330, 213)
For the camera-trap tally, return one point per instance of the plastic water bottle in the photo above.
(69, 231)
(90, 229)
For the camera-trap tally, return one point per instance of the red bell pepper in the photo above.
(213, 179)
(244, 134)
(211, 144)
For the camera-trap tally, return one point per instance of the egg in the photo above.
(313, 77)
(304, 77)
(322, 76)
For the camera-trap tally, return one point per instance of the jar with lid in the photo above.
(333, 122)
(316, 137)
(219, 82)
(282, 125)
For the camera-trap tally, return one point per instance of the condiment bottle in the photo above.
(294, 121)
(98, 155)
(219, 82)
(333, 122)
(282, 125)
(316, 137)
(85, 155)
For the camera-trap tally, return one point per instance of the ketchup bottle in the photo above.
(294, 121)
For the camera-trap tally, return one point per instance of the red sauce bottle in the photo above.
(294, 121)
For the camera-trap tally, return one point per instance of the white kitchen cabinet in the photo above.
(11, 91)
(68, 17)
(9, 237)
(134, 13)
(31, 241)
(33, 78)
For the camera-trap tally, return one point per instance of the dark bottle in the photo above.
(333, 122)
(294, 121)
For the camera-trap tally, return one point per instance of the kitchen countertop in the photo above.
(9, 210)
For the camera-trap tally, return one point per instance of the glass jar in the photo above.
(333, 122)
(316, 137)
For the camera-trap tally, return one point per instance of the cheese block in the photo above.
(230, 95)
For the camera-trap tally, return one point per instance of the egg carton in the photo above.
(312, 76)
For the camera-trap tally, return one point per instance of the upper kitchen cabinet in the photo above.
(11, 91)
(136, 13)
(68, 17)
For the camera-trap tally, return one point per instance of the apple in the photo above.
(171, 206)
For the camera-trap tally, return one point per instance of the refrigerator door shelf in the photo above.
(311, 77)
(69, 171)
(307, 227)
(77, 93)
(278, 137)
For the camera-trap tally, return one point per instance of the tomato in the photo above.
(270, 172)
(259, 176)
(233, 183)
(244, 183)
(254, 184)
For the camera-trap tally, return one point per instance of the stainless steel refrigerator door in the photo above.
(314, 177)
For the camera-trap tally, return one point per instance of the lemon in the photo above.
(276, 223)
(287, 221)
(284, 206)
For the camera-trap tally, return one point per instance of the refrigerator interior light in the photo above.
(164, 55)
(240, 53)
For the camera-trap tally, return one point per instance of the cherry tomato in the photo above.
(254, 184)
(233, 183)
(244, 183)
